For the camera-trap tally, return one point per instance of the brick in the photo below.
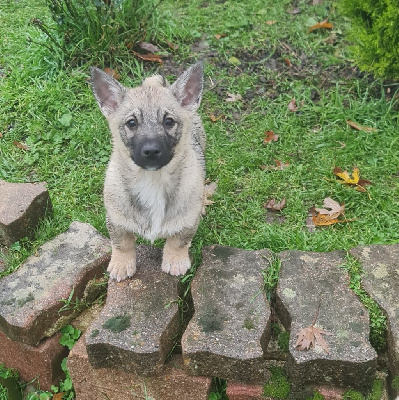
(230, 330)
(239, 391)
(311, 281)
(41, 363)
(172, 383)
(30, 298)
(140, 322)
(22, 206)
(381, 281)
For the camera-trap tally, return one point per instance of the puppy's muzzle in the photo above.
(152, 154)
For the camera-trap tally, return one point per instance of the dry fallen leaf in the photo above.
(214, 118)
(335, 209)
(288, 62)
(58, 396)
(233, 97)
(272, 204)
(292, 105)
(352, 181)
(359, 127)
(209, 191)
(272, 22)
(310, 336)
(172, 45)
(281, 165)
(220, 35)
(149, 57)
(1, 135)
(321, 25)
(270, 137)
(113, 73)
(149, 47)
(20, 145)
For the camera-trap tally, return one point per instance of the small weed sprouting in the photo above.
(316, 396)
(84, 31)
(69, 336)
(278, 385)
(270, 277)
(395, 383)
(9, 385)
(219, 393)
(377, 317)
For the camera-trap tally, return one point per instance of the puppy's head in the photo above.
(152, 118)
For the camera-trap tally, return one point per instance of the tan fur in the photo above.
(151, 201)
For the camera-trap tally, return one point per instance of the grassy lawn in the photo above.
(260, 50)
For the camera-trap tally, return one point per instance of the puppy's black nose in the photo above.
(151, 151)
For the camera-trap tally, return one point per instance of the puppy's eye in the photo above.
(132, 123)
(169, 122)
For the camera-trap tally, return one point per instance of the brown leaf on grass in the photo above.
(270, 137)
(233, 97)
(335, 209)
(149, 57)
(20, 145)
(272, 22)
(1, 135)
(272, 204)
(287, 62)
(316, 2)
(58, 396)
(112, 72)
(359, 127)
(214, 118)
(149, 47)
(210, 189)
(294, 11)
(354, 181)
(172, 45)
(281, 165)
(329, 215)
(310, 336)
(220, 35)
(292, 105)
(321, 25)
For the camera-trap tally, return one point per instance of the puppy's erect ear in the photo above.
(107, 91)
(189, 86)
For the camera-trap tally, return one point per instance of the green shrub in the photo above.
(375, 33)
(96, 30)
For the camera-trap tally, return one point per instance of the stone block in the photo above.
(140, 323)
(240, 391)
(312, 284)
(41, 363)
(230, 330)
(381, 281)
(172, 383)
(22, 206)
(30, 298)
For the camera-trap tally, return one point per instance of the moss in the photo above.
(278, 385)
(352, 395)
(94, 333)
(395, 383)
(376, 390)
(248, 323)
(284, 341)
(316, 396)
(117, 324)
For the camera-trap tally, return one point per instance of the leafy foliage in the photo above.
(219, 392)
(69, 336)
(375, 31)
(96, 30)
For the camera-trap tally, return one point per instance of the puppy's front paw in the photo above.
(121, 268)
(175, 265)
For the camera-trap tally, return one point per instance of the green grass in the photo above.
(54, 113)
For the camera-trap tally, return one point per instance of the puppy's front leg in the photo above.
(176, 260)
(123, 257)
